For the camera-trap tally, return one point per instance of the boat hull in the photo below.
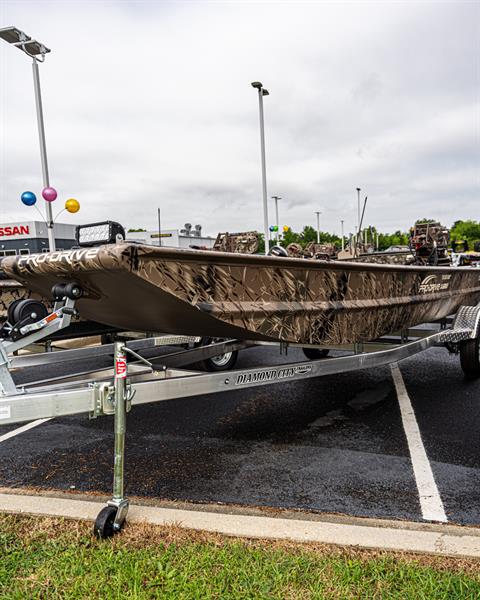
(214, 294)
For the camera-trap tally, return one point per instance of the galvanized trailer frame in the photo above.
(140, 380)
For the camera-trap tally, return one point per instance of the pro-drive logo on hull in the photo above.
(68, 257)
(434, 283)
(11, 230)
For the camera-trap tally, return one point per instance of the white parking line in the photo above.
(430, 501)
(10, 434)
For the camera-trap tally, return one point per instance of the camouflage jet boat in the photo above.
(148, 288)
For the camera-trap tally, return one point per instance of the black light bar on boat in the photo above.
(96, 234)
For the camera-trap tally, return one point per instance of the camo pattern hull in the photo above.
(386, 258)
(216, 294)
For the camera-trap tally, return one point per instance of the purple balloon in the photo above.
(49, 194)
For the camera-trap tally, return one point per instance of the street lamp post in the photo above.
(318, 213)
(277, 198)
(261, 93)
(358, 207)
(35, 50)
(343, 239)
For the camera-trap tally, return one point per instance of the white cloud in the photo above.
(149, 104)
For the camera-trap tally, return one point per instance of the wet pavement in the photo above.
(334, 444)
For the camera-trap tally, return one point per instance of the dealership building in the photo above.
(30, 237)
(187, 237)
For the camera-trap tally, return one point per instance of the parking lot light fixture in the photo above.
(318, 213)
(261, 93)
(277, 198)
(358, 208)
(37, 52)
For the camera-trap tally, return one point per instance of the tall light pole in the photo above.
(261, 93)
(277, 198)
(318, 213)
(343, 239)
(37, 52)
(358, 206)
(159, 228)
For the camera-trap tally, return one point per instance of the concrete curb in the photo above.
(462, 543)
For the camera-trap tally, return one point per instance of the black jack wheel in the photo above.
(103, 528)
(315, 353)
(470, 357)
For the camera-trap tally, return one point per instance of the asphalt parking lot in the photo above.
(336, 444)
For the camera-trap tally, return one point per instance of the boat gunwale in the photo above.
(149, 252)
(262, 260)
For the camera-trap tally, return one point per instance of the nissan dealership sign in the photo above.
(14, 230)
(34, 230)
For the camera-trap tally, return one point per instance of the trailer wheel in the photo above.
(103, 527)
(222, 362)
(315, 353)
(470, 357)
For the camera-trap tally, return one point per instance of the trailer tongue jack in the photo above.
(111, 518)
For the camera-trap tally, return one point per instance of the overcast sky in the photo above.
(149, 104)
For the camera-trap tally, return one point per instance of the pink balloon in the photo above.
(49, 194)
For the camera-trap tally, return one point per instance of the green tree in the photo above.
(399, 238)
(309, 234)
(261, 244)
(426, 221)
(290, 237)
(465, 230)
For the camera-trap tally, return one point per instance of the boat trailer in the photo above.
(142, 374)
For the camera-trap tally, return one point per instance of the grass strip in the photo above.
(56, 558)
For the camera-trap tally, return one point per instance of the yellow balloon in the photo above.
(72, 205)
(286, 228)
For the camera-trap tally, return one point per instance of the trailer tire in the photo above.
(315, 353)
(470, 358)
(224, 362)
